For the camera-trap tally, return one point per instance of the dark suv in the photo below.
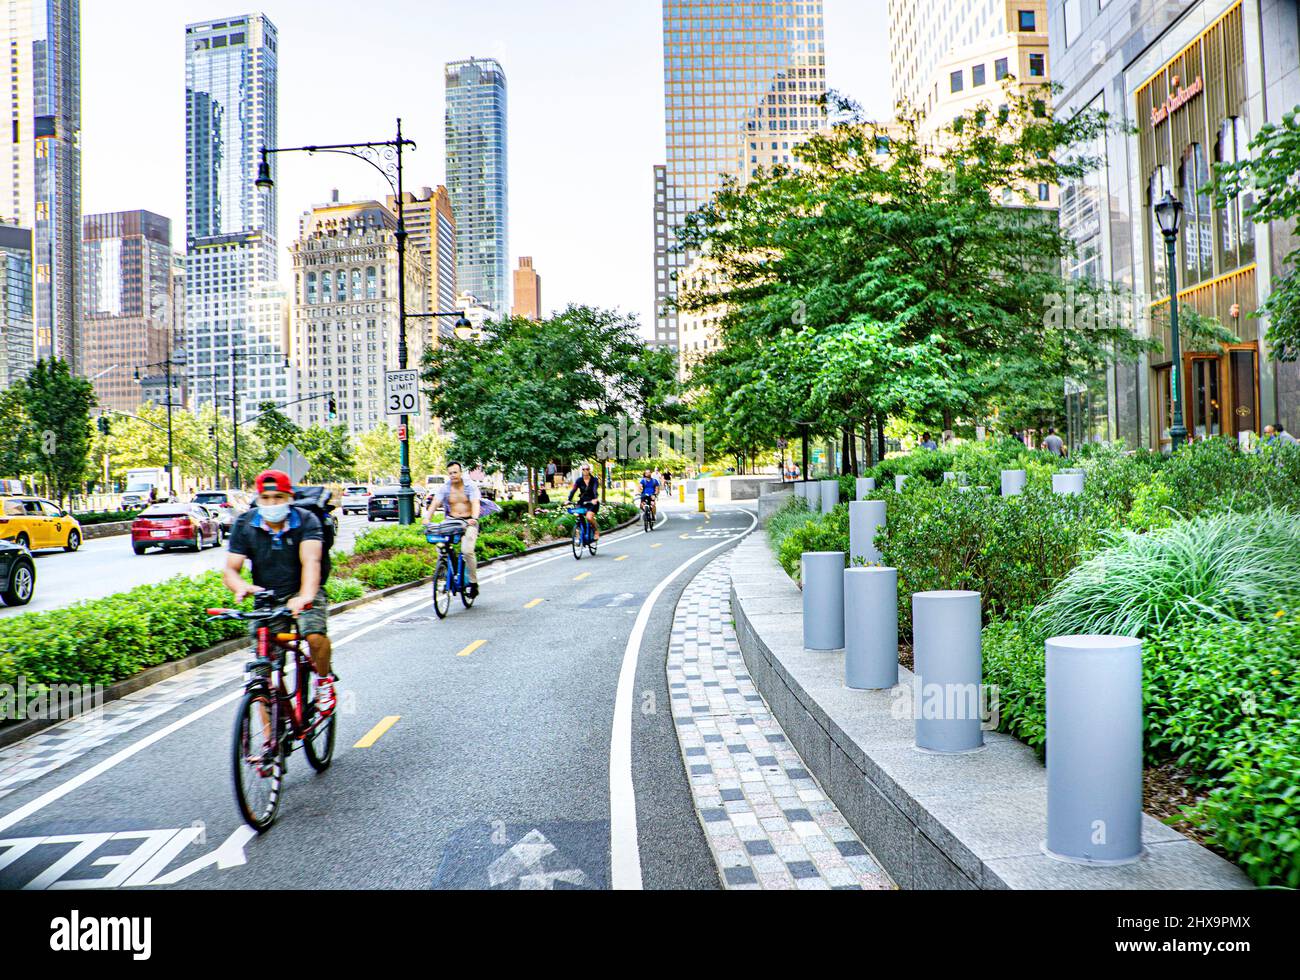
(382, 505)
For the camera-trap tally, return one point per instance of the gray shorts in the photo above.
(313, 620)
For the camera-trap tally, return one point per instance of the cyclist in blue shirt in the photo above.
(587, 488)
(649, 492)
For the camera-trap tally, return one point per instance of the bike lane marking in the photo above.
(471, 648)
(533, 604)
(579, 577)
(624, 847)
(376, 733)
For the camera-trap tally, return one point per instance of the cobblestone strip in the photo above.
(767, 820)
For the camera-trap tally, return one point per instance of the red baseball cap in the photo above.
(274, 480)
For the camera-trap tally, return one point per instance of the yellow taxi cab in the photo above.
(34, 523)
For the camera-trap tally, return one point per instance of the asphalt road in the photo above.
(496, 772)
(104, 566)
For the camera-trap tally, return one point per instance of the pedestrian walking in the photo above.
(1286, 437)
(927, 442)
(1055, 445)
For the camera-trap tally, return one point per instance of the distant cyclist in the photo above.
(460, 498)
(587, 488)
(286, 545)
(649, 492)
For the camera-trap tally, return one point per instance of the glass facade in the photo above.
(42, 145)
(231, 99)
(477, 178)
(15, 304)
(743, 83)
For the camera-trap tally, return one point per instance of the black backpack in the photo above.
(316, 501)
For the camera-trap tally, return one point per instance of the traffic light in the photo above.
(102, 422)
(333, 409)
(212, 431)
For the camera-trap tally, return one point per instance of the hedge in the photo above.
(105, 516)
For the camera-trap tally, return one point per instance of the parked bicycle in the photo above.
(450, 577)
(272, 720)
(584, 533)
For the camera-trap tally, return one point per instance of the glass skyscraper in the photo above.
(231, 86)
(478, 179)
(41, 145)
(743, 83)
(15, 304)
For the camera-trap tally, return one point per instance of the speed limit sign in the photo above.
(401, 392)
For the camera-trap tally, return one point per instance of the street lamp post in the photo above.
(171, 468)
(1168, 213)
(386, 157)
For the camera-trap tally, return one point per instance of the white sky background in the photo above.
(585, 106)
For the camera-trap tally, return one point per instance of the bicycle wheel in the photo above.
(465, 597)
(648, 518)
(258, 761)
(319, 744)
(591, 540)
(577, 539)
(441, 591)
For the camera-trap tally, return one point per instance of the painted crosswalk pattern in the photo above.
(768, 823)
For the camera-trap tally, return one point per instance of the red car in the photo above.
(175, 526)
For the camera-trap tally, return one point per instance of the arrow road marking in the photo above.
(524, 860)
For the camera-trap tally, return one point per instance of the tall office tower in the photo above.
(930, 42)
(42, 148)
(743, 84)
(126, 302)
(477, 178)
(230, 113)
(178, 318)
(16, 332)
(345, 315)
(431, 228)
(528, 290)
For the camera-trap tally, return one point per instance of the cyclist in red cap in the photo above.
(286, 545)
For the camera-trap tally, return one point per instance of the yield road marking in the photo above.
(471, 648)
(374, 735)
(579, 578)
(530, 605)
(624, 850)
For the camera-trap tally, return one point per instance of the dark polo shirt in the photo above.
(276, 565)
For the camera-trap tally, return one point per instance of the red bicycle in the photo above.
(272, 720)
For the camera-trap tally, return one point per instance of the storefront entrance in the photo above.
(1220, 398)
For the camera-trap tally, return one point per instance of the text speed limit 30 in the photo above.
(401, 392)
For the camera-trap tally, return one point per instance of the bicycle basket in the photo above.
(576, 510)
(446, 532)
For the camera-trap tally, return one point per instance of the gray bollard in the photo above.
(866, 485)
(870, 627)
(946, 653)
(899, 480)
(949, 476)
(866, 517)
(830, 495)
(801, 489)
(1068, 483)
(823, 600)
(1013, 482)
(1094, 749)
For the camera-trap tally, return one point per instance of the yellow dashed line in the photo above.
(530, 605)
(373, 736)
(621, 558)
(579, 578)
(471, 648)
(659, 545)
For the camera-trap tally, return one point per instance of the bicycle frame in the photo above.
(268, 671)
(455, 566)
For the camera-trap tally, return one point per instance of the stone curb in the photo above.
(17, 731)
(973, 821)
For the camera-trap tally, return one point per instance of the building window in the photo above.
(1072, 15)
(1000, 69)
(1237, 232)
(1027, 20)
(955, 81)
(311, 288)
(1037, 65)
(1198, 236)
(977, 75)
(1044, 192)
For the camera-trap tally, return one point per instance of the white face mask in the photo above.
(274, 513)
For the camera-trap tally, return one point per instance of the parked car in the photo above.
(382, 505)
(34, 523)
(229, 504)
(167, 526)
(17, 575)
(356, 499)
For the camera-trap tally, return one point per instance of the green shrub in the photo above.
(383, 538)
(100, 641)
(1214, 475)
(492, 545)
(398, 570)
(512, 511)
(814, 532)
(1227, 566)
(342, 589)
(105, 517)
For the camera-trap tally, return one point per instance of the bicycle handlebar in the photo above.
(255, 615)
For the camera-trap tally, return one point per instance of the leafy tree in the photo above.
(377, 453)
(931, 261)
(276, 430)
(329, 450)
(58, 408)
(1270, 175)
(15, 434)
(429, 455)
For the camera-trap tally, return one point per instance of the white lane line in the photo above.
(624, 851)
(81, 779)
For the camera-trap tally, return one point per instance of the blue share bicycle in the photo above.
(449, 578)
(584, 535)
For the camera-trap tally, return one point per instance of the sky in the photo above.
(585, 105)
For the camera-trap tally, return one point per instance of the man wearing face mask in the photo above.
(286, 545)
